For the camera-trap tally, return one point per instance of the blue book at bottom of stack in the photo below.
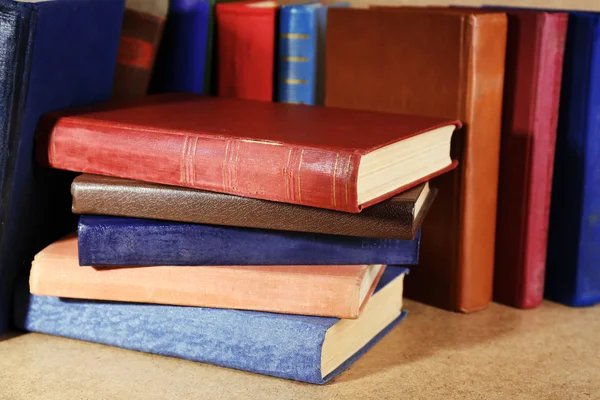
(302, 348)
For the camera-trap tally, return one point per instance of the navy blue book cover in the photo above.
(55, 55)
(182, 59)
(111, 241)
(282, 345)
(573, 267)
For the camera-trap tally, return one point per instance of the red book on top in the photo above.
(315, 156)
(535, 47)
(246, 49)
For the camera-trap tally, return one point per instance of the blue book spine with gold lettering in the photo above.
(301, 52)
(131, 241)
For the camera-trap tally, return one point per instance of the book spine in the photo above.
(182, 64)
(105, 241)
(246, 52)
(553, 34)
(297, 55)
(572, 274)
(311, 177)
(486, 57)
(291, 349)
(140, 37)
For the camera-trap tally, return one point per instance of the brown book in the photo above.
(397, 218)
(444, 64)
(142, 30)
(332, 290)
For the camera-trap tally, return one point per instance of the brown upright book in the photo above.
(397, 218)
(434, 63)
(143, 24)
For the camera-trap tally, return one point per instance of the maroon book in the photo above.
(535, 47)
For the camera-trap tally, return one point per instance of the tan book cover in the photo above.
(334, 291)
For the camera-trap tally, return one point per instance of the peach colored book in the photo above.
(337, 291)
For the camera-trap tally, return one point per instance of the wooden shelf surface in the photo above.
(552, 352)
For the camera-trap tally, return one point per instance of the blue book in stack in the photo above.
(303, 348)
(113, 241)
(573, 266)
(55, 55)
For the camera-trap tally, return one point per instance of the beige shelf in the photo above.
(500, 353)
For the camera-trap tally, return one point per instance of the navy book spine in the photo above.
(65, 53)
(113, 241)
(573, 266)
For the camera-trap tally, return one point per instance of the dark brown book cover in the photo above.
(434, 63)
(140, 38)
(397, 218)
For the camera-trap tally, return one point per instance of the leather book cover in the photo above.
(308, 155)
(281, 345)
(322, 290)
(573, 266)
(397, 218)
(119, 241)
(47, 64)
(443, 64)
(140, 37)
(535, 48)
(246, 49)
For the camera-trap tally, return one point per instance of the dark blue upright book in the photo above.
(303, 348)
(573, 266)
(55, 55)
(183, 60)
(112, 241)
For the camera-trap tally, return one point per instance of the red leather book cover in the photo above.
(535, 48)
(274, 151)
(246, 49)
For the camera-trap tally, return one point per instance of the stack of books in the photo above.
(259, 236)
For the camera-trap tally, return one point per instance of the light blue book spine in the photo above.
(297, 54)
(301, 64)
(281, 345)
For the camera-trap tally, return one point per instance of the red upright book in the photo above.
(315, 156)
(246, 49)
(535, 49)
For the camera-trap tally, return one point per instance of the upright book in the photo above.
(301, 58)
(535, 47)
(397, 218)
(246, 49)
(573, 267)
(113, 241)
(303, 348)
(141, 34)
(315, 156)
(329, 290)
(185, 58)
(443, 64)
(55, 55)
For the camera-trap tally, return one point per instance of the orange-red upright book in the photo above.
(333, 290)
(246, 49)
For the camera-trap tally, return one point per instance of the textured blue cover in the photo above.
(182, 57)
(131, 241)
(573, 267)
(301, 66)
(69, 56)
(281, 345)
